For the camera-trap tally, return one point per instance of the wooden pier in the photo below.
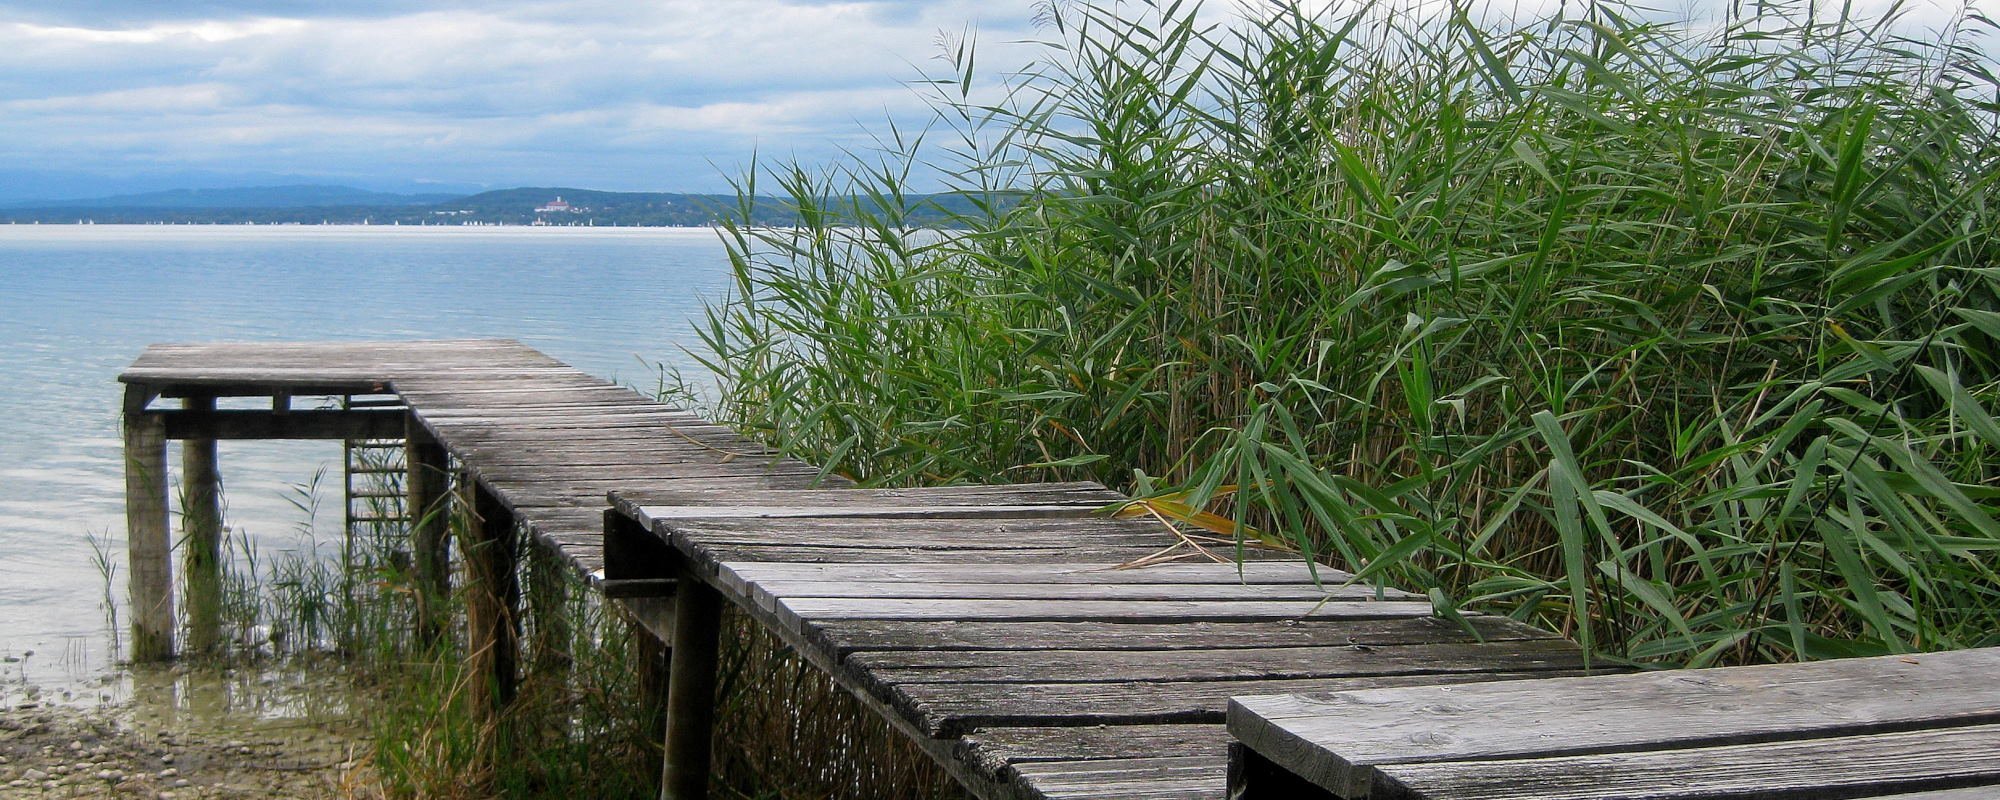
(992, 625)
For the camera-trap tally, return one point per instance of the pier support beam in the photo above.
(492, 604)
(148, 539)
(201, 525)
(428, 488)
(691, 690)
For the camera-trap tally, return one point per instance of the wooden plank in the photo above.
(1023, 554)
(903, 530)
(948, 710)
(1289, 571)
(849, 636)
(1340, 741)
(1083, 493)
(300, 424)
(1157, 611)
(1272, 663)
(1987, 792)
(764, 592)
(692, 513)
(1814, 769)
(1182, 778)
(996, 749)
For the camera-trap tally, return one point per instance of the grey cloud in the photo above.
(614, 94)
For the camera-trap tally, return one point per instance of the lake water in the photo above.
(78, 303)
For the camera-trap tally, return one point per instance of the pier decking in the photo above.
(992, 625)
(1910, 727)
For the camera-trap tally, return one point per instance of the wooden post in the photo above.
(492, 623)
(428, 485)
(691, 691)
(201, 524)
(148, 541)
(633, 553)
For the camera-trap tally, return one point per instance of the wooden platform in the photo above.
(1908, 727)
(992, 625)
(546, 439)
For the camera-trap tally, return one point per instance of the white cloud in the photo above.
(496, 89)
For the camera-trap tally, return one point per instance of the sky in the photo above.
(101, 97)
(104, 96)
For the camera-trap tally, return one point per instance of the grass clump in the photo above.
(1678, 336)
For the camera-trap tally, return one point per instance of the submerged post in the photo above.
(148, 541)
(492, 622)
(428, 487)
(201, 523)
(691, 691)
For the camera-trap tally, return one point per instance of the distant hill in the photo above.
(534, 205)
(295, 196)
(587, 206)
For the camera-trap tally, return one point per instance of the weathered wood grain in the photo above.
(948, 710)
(996, 749)
(849, 636)
(897, 668)
(1183, 778)
(1157, 611)
(1289, 571)
(1342, 741)
(1813, 769)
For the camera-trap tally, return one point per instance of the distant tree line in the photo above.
(518, 207)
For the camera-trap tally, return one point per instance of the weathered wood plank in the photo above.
(904, 667)
(1157, 611)
(1288, 571)
(1186, 777)
(996, 749)
(1987, 792)
(1814, 769)
(764, 592)
(947, 710)
(937, 512)
(1087, 493)
(210, 424)
(849, 636)
(1024, 554)
(1341, 741)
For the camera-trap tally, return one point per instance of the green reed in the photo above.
(1677, 336)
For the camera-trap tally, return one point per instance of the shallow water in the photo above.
(78, 303)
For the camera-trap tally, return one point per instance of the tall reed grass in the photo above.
(1677, 335)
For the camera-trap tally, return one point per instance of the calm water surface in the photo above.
(78, 303)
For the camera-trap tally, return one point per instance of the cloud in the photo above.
(643, 95)
(607, 93)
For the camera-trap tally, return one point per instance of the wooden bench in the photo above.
(1915, 726)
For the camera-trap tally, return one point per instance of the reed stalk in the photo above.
(1677, 336)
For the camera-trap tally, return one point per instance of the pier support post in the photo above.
(491, 607)
(201, 525)
(691, 690)
(428, 499)
(148, 540)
